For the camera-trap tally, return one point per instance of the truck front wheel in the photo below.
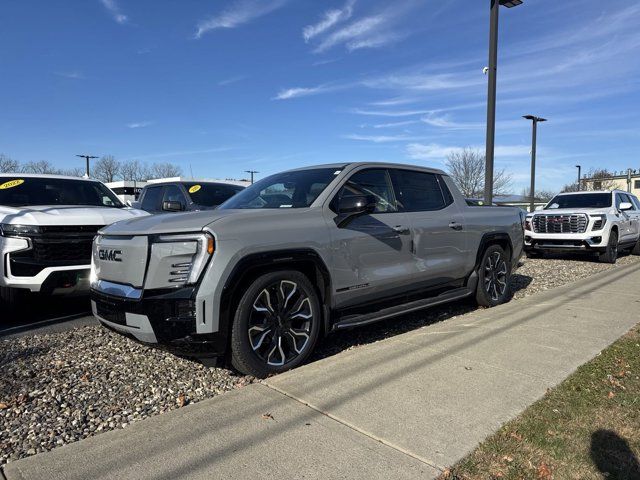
(276, 324)
(494, 277)
(11, 298)
(610, 255)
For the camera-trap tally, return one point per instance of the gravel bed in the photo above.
(61, 387)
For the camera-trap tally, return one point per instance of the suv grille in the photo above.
(55, 246)
(560, 223)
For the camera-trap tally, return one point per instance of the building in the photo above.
(128, 191)
(628, 181)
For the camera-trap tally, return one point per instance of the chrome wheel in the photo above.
(280, 323)
(495, 276)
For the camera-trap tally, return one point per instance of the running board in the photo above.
(358, 320)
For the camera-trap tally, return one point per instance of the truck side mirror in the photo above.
(352, 206)
(625, 206)
(172, 206)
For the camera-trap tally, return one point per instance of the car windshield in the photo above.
(211, 194)
(297, 189)
(17, 191)
(582, 200)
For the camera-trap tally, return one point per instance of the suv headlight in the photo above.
(12, 230)
(599, 221)
(180, 259)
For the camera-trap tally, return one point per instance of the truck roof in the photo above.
(46, 175)
(371, 164)
(582, 192)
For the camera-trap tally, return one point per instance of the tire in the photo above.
(11, 298)
(610, 255)
(276, 324)
(494, 277)
(636, 248)
(534, 254)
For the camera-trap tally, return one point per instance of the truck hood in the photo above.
(66, 215)
(572, 211)
(190, 221)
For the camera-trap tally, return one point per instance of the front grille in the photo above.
(560, 223)
(55, 246)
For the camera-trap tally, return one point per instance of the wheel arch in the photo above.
(494, 238)
(306, 261)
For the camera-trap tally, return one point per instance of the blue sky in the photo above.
(226, 86)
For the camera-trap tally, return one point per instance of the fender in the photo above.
(493, 238)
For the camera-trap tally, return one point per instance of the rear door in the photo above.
(372, 253)
(634, 217)
(437, 226)
(624, 219)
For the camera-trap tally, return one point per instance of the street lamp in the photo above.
(532, 192)
(579, 167)
(251, 172)
(87, 158)
(491, 96)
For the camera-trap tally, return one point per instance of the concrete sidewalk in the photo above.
(405, 407)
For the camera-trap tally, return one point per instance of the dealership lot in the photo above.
(60, 387)
(458, 379)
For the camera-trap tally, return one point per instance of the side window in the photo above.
(635, 201)
(418, 191)
(374, 182)
(151, 199)
(619, 199)
(629, 198)
(172, 193)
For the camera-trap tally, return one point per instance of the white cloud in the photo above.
(241, 12)
(298, 92)
(434, 151)
(329, 19)
(396, 124)
(139, 124)
(381, 138)
(74, 75)
(445, 122)
(115, 11)
(231, 80)
(356, 31)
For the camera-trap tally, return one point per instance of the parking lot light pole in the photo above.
(491, 95)
(534, 134)
(87, 158)
(251, 172)
(579, 167)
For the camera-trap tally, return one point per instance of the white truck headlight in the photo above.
(178, 260)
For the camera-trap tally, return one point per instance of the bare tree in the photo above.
(599, 179)
(75, 172)
(8, 164)
(165, 170)
(41, 167)
(570, 187)
(135, 171)
(541, 195)
(107, 169)
(467, 167)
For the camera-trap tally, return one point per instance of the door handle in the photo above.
(455, 226)
(400, 229)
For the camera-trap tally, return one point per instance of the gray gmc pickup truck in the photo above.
(298, 255)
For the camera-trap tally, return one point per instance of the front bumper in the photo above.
(164, 318)
(575, 242)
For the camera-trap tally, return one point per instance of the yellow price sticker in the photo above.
(11, 184)
(195, 188)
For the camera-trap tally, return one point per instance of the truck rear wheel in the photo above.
(276, 324)
(494, 277)
(610, 255)
(636, 248)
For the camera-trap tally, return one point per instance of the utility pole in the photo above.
(579, 167)
(87, 158)
(491, 95)
(534, 134)
(251, 172)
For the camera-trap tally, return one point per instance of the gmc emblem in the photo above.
(110, 255)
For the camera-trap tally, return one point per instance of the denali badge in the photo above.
(110, 255)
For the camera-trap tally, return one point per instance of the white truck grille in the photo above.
(560, 223)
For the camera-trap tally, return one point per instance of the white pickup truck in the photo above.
(603, 222)
(47, 225)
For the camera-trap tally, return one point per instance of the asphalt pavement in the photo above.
(404, 407)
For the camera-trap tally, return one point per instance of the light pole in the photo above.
(579, 167)
(251, 172)
(534, 134)
(491, 95)
(87, 158)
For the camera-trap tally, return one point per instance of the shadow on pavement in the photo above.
(613, 456)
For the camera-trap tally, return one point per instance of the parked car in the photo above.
(298, 255)
(602, 222)
(181, 196)
(47, 225)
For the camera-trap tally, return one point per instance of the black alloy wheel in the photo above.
(494, 277)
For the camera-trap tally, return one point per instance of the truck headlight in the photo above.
(13, 230)
(179, 259)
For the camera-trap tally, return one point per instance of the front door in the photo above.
(372, 255)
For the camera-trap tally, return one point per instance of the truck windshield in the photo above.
(297, 189)
(582, 200)
(17, 191)
(211, 194)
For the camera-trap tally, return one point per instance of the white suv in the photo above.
(602, 222)
(47, 225)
